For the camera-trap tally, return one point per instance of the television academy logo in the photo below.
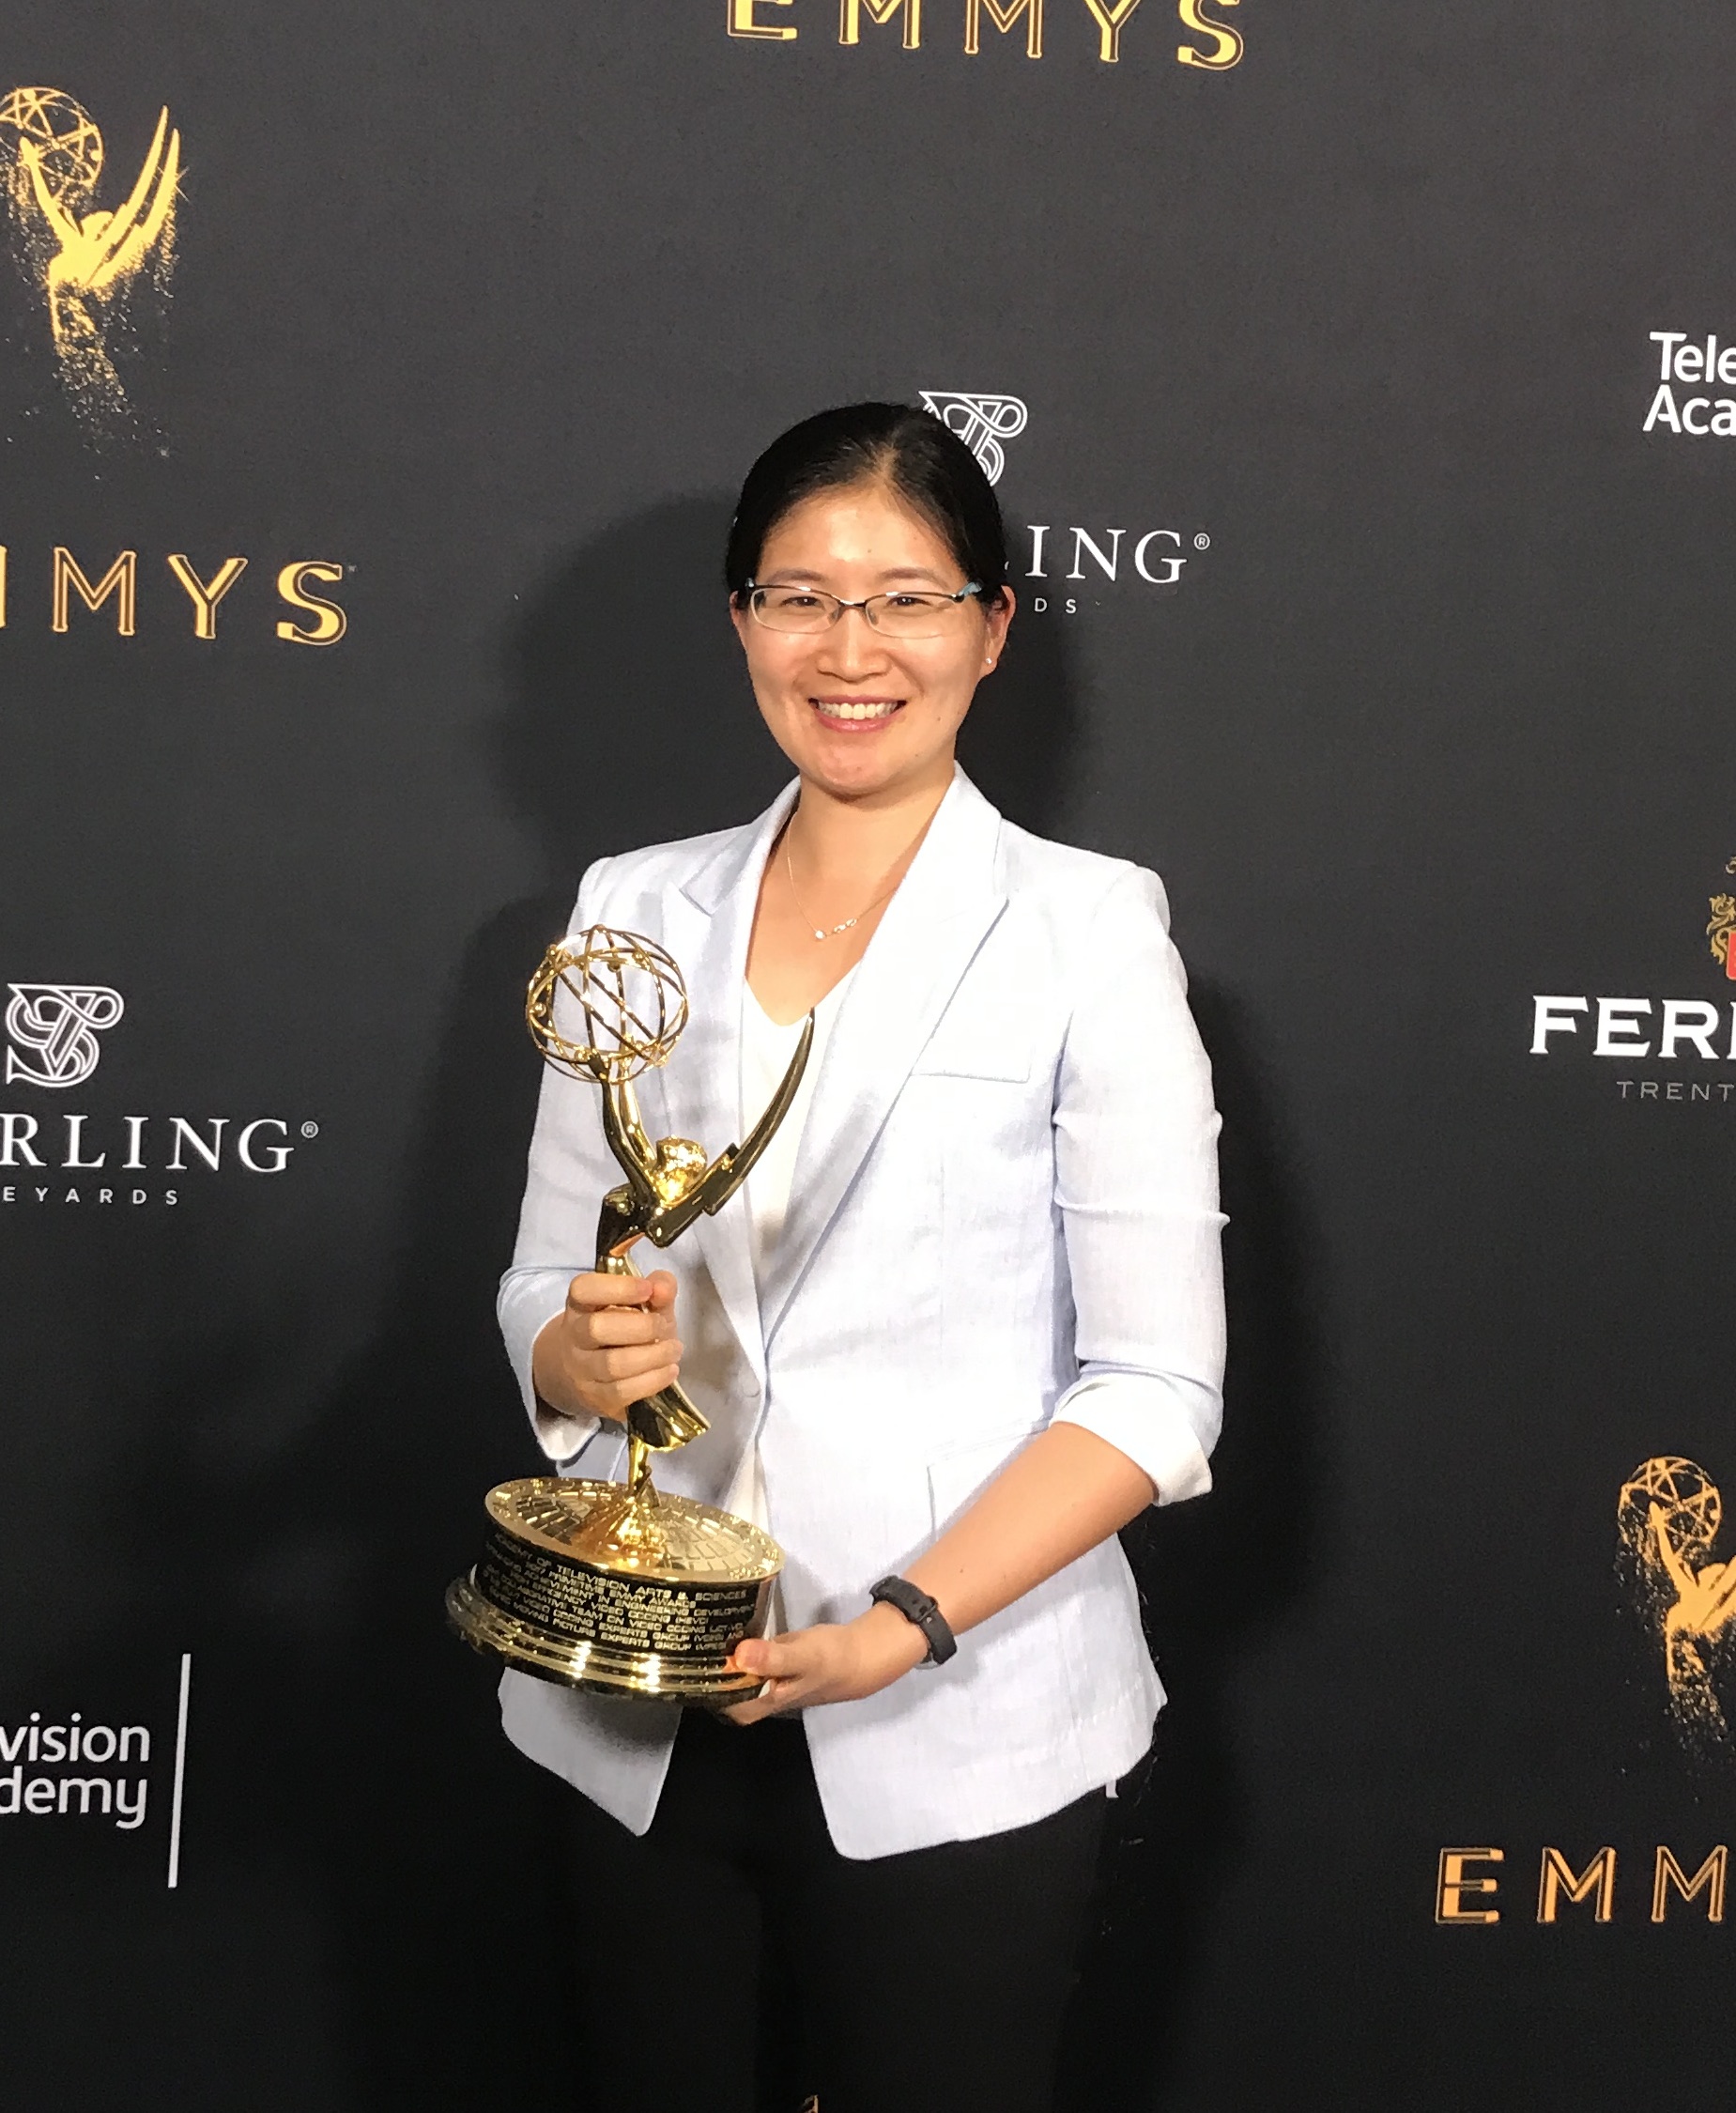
(81, 1769)
(1698, 366)
(982, 423)
(53, 1031)
(86, 265)
(59, 1024)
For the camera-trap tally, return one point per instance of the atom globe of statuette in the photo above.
(626, 1008)
(64, 135)
(1683, 1493)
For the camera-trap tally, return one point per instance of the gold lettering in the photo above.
(1110, 19)
(1451, 1884)
(329, 621)
(1004, 17)
(2, 586)
(205, 597)
(121, 581)
(882, 11)
(742, 23)
(1227, 42)
(1598, 1877)
(1707, 1880)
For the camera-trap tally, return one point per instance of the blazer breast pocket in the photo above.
(981, 1054)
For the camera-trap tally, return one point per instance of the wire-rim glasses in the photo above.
(906, 613)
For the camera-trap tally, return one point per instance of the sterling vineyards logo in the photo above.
(1100, 557)
(1064, 558)
(52, 1033)
(1676, 1031)
(982, 423)
(57, 1025)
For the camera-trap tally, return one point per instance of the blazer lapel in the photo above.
(707, 922)
(945, 908)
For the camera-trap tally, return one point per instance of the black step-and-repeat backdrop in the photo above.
(1361, 384)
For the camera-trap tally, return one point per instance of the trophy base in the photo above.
(621, 1592)
(602, 1668)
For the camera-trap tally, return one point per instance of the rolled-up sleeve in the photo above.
(1136, 1184)
(570, 1170)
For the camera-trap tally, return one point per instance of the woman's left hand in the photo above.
(834, 1661)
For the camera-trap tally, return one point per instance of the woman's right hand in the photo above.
(612, 1345)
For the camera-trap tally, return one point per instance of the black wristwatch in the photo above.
(916, 1607)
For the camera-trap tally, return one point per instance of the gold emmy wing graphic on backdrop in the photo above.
(1723, 908)
(606, 1584)
(86, 263)
(1668, 1515)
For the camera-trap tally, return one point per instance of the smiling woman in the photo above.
(867, 569)
(888, 534)
(964, 1323)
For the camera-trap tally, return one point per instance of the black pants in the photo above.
(732, 1962)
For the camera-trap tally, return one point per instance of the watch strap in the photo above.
(918, 1608)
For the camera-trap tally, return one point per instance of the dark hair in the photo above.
(924, 462)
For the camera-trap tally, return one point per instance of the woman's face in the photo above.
(859, 714)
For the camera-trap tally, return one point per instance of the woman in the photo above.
(963, 1324)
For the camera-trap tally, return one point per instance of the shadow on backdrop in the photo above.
(1214, 1578)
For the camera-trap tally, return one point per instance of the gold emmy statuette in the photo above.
(606, 1584)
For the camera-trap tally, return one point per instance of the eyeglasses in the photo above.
(907, 613)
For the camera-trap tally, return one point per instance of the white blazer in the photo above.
(1004, 1214)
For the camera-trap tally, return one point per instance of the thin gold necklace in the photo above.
(821, 932)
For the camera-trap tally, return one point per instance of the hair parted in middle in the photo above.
(924, 462)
